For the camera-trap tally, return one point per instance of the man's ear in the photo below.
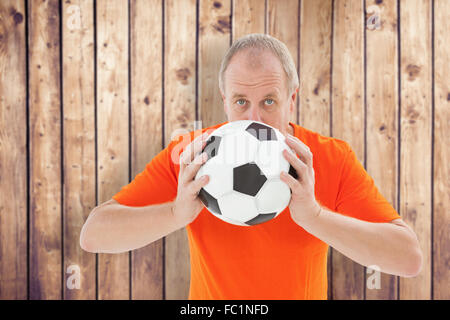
(294, 94)
(292, 100)
(224, 101)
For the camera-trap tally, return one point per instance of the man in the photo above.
(334, 201)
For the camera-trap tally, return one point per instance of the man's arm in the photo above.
(392, 246)
(114, 228)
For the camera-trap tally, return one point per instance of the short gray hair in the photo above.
(263, 42)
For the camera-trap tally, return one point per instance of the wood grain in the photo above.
(248, 17)
(315, 65)
(79, 143)
(112, 131)
(179, 114)
(441, 174)
(382, 111)
(65, 125)
(315, 75)
(348, 119)
(13, 151)
(146, 129)
(282, 24)
(415, 182)
(214, 40)
(45, 150)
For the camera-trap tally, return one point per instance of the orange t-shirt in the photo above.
(273, 260)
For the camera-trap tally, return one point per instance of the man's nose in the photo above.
(254, 113)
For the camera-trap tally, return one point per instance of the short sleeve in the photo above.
(157, 183)
(358, 196)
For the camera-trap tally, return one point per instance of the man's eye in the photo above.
(271, 102)
(242, 100)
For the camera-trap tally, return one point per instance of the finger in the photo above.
(293, 184)
(192, 169)
(197, 146)
(196, 185)
(192, 149)
(298, 165)
(189, 155)
(301, 149)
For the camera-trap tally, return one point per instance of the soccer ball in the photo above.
(244, 164)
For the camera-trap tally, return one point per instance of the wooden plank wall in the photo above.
(91, 91)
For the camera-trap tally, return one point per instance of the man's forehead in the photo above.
(264, 63)
(271, 94)
(268, 78)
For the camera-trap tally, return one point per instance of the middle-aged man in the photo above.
(334, 201)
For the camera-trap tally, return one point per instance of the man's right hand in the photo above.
(187, 205)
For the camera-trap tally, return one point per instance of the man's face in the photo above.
(256, 89)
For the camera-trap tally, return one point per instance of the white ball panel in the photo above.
(232, 127)
(270, 158)
(220, 177)
(274, 196)
(284, 163)
(229, 220)
(280, 136)
(237, 149)
(238, 206)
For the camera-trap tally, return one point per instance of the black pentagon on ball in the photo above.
(209, 201)
(262, 132)
(293, 172)
(212, 146)
(260, 218)
(248, 179)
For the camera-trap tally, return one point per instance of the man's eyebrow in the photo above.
(269, 95)
(238, 95)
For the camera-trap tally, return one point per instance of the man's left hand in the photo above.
(303, 205)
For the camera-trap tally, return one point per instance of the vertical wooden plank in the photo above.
(45, 150)
(315, 65)
(13, 152)
(214, 40)
(179, 112)
(441, 245)
(112, 131)
(146, 128)
(382, 110)
(248, 17)
(348, 119)
(315, 74)
(415, 182)
(78, 142)
(282, 24)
